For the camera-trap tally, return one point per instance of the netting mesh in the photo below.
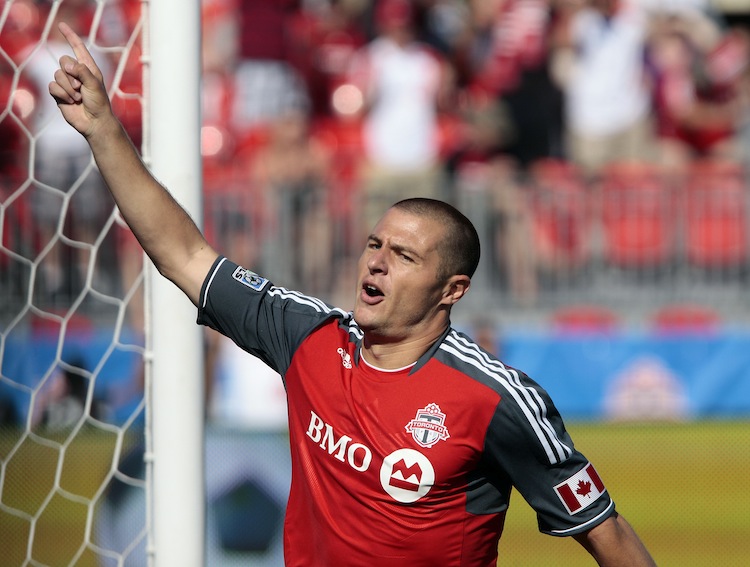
(71, 308)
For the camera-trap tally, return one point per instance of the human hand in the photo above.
(79, 88)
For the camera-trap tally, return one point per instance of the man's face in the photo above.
(398, 291)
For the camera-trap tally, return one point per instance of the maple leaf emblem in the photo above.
(584, 488)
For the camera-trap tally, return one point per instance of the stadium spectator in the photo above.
(404, 84)
(486, 181)
(61, 402)
(599, 63)
(14, 151)
(511, 90)
(291, 174)
(510, 60)
(20, 30)
(697, 68)
(323, 39)
(69, 192)
(267, 85)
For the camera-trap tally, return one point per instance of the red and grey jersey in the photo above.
(407, 467)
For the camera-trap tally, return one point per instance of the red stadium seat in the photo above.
(716, 217)
(584, 318)
(682, 317)
(561, 214)
(637, 216)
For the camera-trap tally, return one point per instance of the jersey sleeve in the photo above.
(528, 442)
(267, 321)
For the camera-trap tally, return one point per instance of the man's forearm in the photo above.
(164, 229)
(614, 543)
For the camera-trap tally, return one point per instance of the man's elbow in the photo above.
(614, 543)
(189, 275)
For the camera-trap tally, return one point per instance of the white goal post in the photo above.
(176, 387)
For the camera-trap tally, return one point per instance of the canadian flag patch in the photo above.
(581, 490)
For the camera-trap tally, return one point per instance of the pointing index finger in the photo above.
(79, 49)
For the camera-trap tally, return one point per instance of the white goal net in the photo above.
(74, 351)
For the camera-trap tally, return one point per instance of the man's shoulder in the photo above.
(237, 292)
(460, 352)
(465, 356)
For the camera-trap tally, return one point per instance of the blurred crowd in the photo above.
(317, 114)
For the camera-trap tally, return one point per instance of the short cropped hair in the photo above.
(460, 249)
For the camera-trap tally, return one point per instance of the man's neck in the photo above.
(394, 355)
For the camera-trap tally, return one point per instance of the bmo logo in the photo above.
(406, 475)
(355, 455)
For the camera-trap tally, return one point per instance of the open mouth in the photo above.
(372, 291)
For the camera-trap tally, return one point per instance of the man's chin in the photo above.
(363, 317)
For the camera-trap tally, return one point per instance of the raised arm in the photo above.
(164, 229)
(614, 543)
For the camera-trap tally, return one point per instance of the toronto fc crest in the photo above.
(428, 426)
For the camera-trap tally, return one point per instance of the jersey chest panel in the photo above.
(399, 445)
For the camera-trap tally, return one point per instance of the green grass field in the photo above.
(684, 487)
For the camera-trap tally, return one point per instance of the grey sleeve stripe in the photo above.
(527, 398)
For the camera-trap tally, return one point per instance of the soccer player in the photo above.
(406, 437)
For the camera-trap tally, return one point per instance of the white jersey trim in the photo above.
(384, 370)
(528, 399)
(313, 302)
(210, 280)
(584, 525)
(302, 299)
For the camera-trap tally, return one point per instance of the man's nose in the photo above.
(377, 261)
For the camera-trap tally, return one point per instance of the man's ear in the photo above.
(455, 288)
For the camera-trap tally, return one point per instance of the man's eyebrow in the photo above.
(406, 249)
(396, 247)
